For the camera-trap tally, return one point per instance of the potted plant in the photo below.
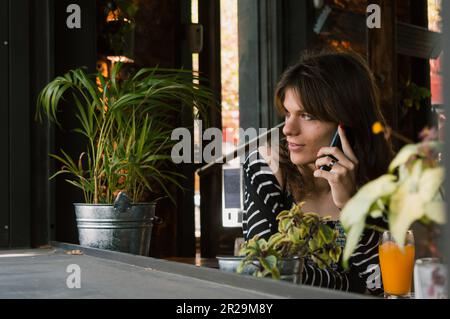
(126, 122)
(300, 235)
(411, 191)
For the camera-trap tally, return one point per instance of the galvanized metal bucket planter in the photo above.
(124, 226)
(290, 268)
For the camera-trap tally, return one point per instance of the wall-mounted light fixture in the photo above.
(119, 32)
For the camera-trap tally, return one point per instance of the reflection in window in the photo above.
(435, 24)
(229, 73)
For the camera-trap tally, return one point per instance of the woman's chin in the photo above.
(298, 159)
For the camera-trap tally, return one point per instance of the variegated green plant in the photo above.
(127, 125)
(412, 190)
(301, 234)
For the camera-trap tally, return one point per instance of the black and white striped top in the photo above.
(264, 200)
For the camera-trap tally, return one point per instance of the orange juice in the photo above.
(396, 268)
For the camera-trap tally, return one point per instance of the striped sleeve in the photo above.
(365, 260)
(327, 278)
(262, 198)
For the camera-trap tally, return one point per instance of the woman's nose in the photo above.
(291, 127)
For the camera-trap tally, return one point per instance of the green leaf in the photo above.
(262, 243)
(353, 237)
(435, 211)
(377, 209)
(326, 233)
(430, 182)
(403, 156)
(240, 267)
(275, 273)
(405, 209)
(357, 208)
(137, 114)
(271, 262)
(406, 205)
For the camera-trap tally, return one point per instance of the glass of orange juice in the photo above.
(397, 265)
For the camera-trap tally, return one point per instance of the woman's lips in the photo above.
(295, 146)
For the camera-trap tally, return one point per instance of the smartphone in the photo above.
(335, 142)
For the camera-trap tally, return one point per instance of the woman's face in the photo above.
(305, 134)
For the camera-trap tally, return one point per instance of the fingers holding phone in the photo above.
(326, 163)
(338, 167)
(340, 150)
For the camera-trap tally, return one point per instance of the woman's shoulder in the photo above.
(261, 187)
(254, 157)
(262, 160)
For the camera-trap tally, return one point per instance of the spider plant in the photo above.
(127, 124)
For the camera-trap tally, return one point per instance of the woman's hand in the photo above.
(342, 176)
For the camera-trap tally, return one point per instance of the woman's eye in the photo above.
(307, 117)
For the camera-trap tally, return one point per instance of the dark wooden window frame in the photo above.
(16, 190)
(271, 36)
(4, 124)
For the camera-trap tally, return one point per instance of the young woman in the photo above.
(322, 93)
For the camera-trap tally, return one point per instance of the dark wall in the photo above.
(15, 127)
(420, 72)
(73, 48)
(42, 134)
(157, 25)
(4, 122)
(40, 47)
(24, 218)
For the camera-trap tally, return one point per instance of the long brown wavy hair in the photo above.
(336, 87)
